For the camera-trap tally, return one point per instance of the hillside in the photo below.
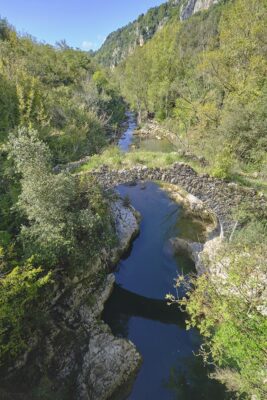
(121, 43)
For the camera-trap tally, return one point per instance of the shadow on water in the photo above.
(137, 309)
(151, 267)
(126, 304)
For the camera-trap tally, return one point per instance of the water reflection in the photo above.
(170, 369)
(188, 381)
(153, 144)
(151, 267)
(124, 305)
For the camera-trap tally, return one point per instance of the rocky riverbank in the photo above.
(77, 357)
(109, 362)
(213, 234)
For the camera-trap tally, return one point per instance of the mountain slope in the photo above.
(121, 43)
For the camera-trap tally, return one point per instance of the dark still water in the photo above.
(137, 309)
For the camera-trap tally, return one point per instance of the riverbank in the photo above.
(77, 356)
(217, 196)
(154, 130)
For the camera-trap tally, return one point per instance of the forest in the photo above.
(204, 79)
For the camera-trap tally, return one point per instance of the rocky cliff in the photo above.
(191, 7)
(121, 43)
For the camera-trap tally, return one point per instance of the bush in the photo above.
(223, 164)
(66, 218)
(20, 308)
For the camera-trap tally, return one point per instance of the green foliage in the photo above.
(9, 112)
(65, 220)
(60, 220)
(223, 164)
(63, 214)
(20, 305)
(115, 159)
(228, 311)
(61, 92)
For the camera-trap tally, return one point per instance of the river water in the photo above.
(128, 139)
(137, 309)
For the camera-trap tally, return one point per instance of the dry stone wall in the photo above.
(221, 197)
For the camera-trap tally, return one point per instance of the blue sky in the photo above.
(83, 23)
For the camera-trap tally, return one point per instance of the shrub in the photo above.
(223, 164)
(20, 308)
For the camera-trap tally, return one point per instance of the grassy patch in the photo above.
(116, 159)
(256, 183)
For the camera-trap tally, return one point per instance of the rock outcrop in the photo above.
(126, 221)
(77, 356)
(106, 362)
(191, 7)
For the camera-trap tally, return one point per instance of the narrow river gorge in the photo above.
(137, 309)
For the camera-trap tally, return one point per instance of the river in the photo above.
(137, 309)
(129, 139)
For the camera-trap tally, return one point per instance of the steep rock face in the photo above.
(204, 4)
(187, 9)
(193, 6)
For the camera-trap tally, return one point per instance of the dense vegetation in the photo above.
(121, 43)
(61, 92)
(206, 79)
(229, 311)
(56, 105)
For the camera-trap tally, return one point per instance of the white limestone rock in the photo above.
(126, 224)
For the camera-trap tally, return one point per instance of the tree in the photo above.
(63, 213)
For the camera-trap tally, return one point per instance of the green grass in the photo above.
(258, 184)
(115, 159)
